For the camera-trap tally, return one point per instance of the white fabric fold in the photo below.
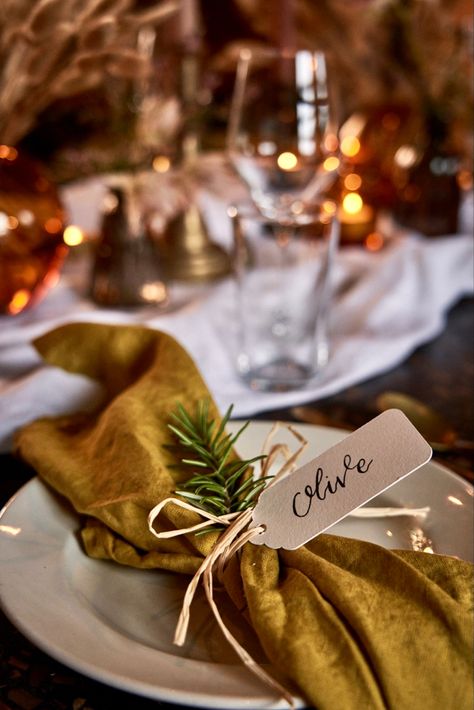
(385, 304)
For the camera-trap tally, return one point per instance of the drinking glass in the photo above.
(283, 297)
(282, 137)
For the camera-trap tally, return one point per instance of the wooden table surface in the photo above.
(441, 374)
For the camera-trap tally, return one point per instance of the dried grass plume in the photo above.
(53, 49)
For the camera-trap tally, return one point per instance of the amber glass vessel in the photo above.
(31, 232)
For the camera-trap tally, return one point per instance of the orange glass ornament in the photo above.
(31, 232)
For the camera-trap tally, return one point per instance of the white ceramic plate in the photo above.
(116, 624)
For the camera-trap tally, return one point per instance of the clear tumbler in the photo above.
(283, 290)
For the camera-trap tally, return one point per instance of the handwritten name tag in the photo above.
(305, 503)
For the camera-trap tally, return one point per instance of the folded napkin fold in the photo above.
(349, 624)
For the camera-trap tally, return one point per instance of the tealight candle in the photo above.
(356, 226)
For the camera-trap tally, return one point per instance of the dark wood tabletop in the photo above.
(440, 374)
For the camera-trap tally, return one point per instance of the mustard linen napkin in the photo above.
(113, 465)
(347, 623)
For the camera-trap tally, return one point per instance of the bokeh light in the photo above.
(374, 241)
(19, 301)
(331, 163)
(350, 146)
(73, 236)
(287, 161)
(352, 181)
(161, 164)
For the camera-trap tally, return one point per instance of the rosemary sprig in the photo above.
(221, 483)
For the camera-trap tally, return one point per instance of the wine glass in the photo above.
(281, 137)
(283, 144)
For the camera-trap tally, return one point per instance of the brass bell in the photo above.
(187, 252)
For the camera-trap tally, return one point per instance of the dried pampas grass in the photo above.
(53, 49)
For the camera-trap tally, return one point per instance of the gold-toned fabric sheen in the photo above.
(350, 625)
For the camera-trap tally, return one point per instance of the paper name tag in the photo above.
(305, 503)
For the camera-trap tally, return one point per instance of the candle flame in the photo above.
(352, 203)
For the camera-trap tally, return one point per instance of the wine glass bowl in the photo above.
(281, 136)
